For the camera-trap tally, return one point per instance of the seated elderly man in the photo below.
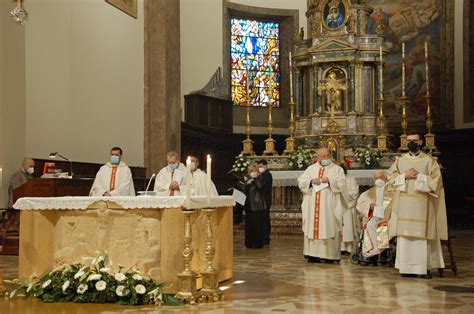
(375, 205)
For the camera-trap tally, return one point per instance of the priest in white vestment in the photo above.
(170, 179)
(350, 218)
(322, 209)
(419, 211)
(199, 180)
(375, 205)
(114, 178)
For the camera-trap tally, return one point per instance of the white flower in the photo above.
(100, 259)
(30, 286)
(100, 285)
(120, 277)
(94, 277)
(46, 283)
(79, 274)
(65, 285)
(137, 277)
(140, 289)
(104, 270)
(82, 288)
(119, 291)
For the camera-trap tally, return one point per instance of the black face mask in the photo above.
(413, 147)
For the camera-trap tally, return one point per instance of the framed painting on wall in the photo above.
(128, 6)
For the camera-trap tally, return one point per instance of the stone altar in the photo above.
(142, 231)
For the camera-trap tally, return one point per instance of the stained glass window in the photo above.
(255, 51)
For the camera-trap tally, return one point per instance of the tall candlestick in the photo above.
(209, 180)
(188, 182)
(381, 73)
(291, 78)
(427, 70)
(403, 69)
(247, 82)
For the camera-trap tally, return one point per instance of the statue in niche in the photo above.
(333, 87)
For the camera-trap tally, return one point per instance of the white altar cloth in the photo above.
(127, 202)
(290, 178)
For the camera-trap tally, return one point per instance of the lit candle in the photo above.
(427, 70)
(381, 73)
(188, 181)
(291, 78)
(209, 180)
(403, 70)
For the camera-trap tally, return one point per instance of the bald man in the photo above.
(21, 177)
(322, 185)
(375, 205)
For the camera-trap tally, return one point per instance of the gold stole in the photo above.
(317, 208)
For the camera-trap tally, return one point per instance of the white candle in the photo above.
(209, 180)
(427, 70)
(188, 181)
(403, 69)
(381, 73)
(291, 78)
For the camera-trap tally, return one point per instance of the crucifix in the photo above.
(333, 87)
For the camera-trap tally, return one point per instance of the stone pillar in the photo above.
(315, 89)
(162, 123)
(352, 88)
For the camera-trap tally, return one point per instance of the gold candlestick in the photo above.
(290, 140)
(382, 138)
(270, 142)
(187, 278)
(210, 280)
(248, 143)
(403, 138)
(429, 137)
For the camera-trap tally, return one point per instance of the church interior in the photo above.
(247, 156)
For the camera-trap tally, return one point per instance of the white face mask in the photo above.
(261, 170)
(30, 170)
(253, 174)
(379, 182)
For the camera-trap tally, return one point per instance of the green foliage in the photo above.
(94, 283)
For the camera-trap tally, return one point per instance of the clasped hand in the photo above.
(411, 174)
(318, 181)
(174, 185)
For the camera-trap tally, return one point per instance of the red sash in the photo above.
(317, 207)
(112, 178)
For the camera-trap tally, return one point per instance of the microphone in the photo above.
(149, 182)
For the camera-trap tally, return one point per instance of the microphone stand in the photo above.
(149, 182)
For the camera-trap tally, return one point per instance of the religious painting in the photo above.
(414, 23)
(334, 14)
(255, 62)
(128, 6)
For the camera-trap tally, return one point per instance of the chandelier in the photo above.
(19, 14)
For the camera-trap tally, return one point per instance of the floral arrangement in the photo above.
(300, 159)
(240, 166)
(369, 157)
(94, 283)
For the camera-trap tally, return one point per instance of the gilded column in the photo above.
(352, 90)
(315, 89)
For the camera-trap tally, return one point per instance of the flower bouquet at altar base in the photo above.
(240, 166)
(300, 159)
(368, 157)
(94, 281)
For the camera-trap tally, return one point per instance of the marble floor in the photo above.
(277, 279)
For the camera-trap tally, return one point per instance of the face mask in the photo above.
(173, 166)
(261, 170)
(193, 166)
(413, 147)
(379, 182)
(114, 159)
(253, 174)
(325, 162)
(30, 170)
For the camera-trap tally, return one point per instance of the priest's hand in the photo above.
(316, 181)
(411, 174)
(174, 185)
(325, 180)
